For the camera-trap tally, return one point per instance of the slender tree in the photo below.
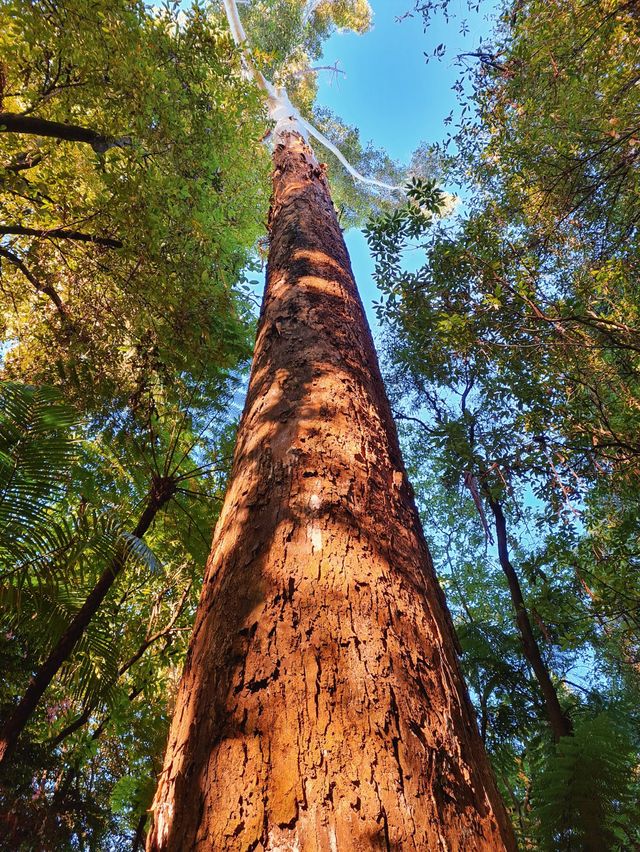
(559, 720)
(161, 492)
(322, 704)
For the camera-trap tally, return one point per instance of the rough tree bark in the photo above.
(321, 706)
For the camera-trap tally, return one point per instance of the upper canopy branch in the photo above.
(281, 110)
(59, 233)
(12, 122)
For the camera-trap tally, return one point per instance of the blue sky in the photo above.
(391, 94)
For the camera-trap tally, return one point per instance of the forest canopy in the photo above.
(135, 171)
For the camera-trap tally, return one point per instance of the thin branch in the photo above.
(199, 471)
(201, 495)
(176, 432)
(27, 160)
(159, 634)
(46, 289)
(398, 416)
(206, 541)
(304, 72)
(485, 58)
(355, 174)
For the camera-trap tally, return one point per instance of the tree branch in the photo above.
(45, 289)
(559, 720)
(24, 161)
(488, 59)
(59, 233)
(11, 122)
(164, 631)
(304, 72)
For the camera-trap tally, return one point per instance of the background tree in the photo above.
(82, 768)
(120, 258)
(515, 346)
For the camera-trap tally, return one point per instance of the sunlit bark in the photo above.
(322, 705)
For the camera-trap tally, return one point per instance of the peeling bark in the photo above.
(321, 706)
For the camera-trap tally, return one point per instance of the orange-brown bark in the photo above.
(321, 706)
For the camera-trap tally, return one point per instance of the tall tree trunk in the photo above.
(559, 721)
(13, 726)
(322, 705)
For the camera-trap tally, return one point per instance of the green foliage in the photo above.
(512, 353)
(48, 551)
(388, 233)
(141, 321)
(586, 795)
(287, 35)
(37, 449)
(73, 499)
(184, 191)
(561, 108)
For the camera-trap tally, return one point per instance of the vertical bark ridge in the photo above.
(321, 708)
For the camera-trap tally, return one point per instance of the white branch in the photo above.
(281, 110)
(304, 72)
(312, 5)
(355, 174)
(235, 24)
(241, 40)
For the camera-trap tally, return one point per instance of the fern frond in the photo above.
(38, 445)
(584, 797)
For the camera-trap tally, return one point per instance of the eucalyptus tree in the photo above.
(322, 705)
